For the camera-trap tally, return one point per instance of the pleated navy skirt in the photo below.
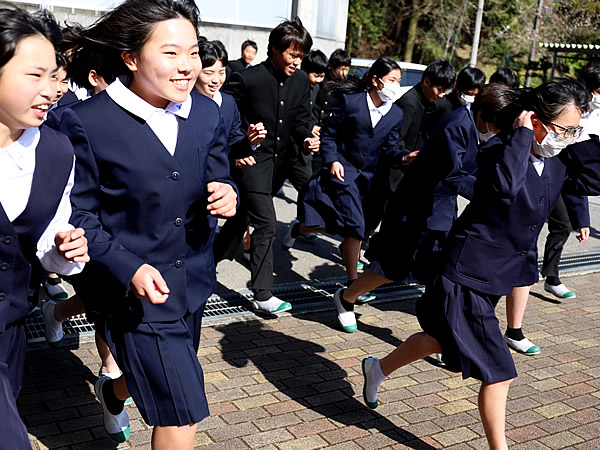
(161, 366)
(335, 206)
(464, 323)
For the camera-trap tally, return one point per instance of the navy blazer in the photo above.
(138, 204)
(492, 246)
(347, 136)
(231, 121)
(452, 149)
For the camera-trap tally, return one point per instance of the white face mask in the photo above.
(595, 102)
(484, 137)
(465, 99)
(551, 145)
(390, 92)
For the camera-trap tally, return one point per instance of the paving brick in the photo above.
(232, 431)
(554, 410)
(267, 437)
(344, 434)
(305, 443)
(311, 428)
(456, 436)
(561, 440)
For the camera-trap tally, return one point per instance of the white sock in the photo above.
(52, 318)
(374, 379)
(271, 304)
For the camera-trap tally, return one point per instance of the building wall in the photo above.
(232, 21)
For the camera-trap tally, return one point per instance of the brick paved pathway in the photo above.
(295, 382)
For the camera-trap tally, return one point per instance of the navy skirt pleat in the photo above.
(162, 370)
(335, 206)
(464, 323)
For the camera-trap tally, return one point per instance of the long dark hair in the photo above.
(128, 27)
(17, 24)
(212, 51)
(380, 68)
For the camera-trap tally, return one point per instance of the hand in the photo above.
(337, 171)
(312, 144)
(72, 245)
(245, 162)
(222, 200)
(408, 159)
(256, 133)
(148, 284)
(524, 120)
(584, 234)
(316, 131)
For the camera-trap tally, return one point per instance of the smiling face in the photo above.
(287, 61)
(27, 87)
(167, 66)
(211, 79)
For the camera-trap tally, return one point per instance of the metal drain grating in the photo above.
(304, 297)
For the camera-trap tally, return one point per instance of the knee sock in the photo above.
(295, 230)
(515, 333)
(113, 404)
(552, 281)
(345, 304)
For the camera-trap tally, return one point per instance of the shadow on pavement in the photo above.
(301, 373)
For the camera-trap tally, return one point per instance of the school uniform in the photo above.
(237, 65)
(232, 121)
(36, 176)
(423, 208)
(357, 135)
(140, 194)
(281, 103)
(492, 247)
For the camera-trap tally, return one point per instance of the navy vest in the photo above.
(20, 271)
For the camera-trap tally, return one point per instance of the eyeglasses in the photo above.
(571, 133)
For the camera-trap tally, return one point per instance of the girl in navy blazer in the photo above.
(151, 176)
(491, 245)
(362, 131)
(36, 177)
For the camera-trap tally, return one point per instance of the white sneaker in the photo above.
(56, 291)
(366, 297)
(288, 240)
(524, 346)
(347, 319)
(272, 305)
(117, 426)
(371, 381)
(54, 332)
(114, 376)
(560, 291)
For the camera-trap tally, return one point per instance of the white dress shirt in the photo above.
(17, 163)
(375, 112)
(163, 122)
(538, 163)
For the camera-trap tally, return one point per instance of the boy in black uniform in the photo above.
(276, 94)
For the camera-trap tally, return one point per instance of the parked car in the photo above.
(411, 73)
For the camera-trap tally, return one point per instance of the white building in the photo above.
(232, 21)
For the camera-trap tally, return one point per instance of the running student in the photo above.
(150, 210)
(362, 130)
(36, 177)
(520, 177)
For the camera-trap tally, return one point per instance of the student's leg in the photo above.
(13, 345)
(367, 281)
(492, 408)
(174, 437)
(516, 303)
(417, 346)
(559, 229)
(109, 365)
(68, 308)
(351, 251)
